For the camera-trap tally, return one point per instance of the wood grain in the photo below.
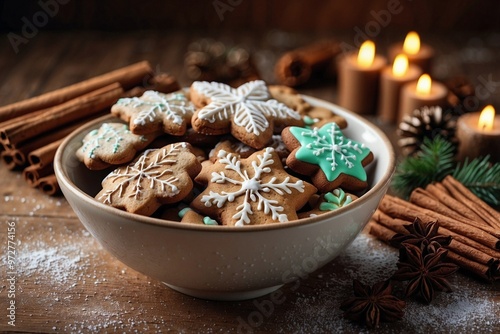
(66, 282)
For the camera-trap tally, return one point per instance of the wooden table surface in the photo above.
(66, 282)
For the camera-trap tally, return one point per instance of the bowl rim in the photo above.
(62, 176)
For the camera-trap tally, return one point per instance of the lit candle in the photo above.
(358, 79)
(418, 54)
(392, 80)
(479, 135)
(423, 92)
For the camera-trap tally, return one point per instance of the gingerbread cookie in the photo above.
(247, 112)
(231, 146)
(156, 177)
(328, 156)
(319, 116)
(244, 151)
(111, 144)
(290, 97)
(190, 216)
(330, 201)
(250, 191)
(155, 111)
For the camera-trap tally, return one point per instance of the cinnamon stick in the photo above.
(399, 208)
(466, 257)
(127, 77)
(425, 200)
(19, 154)
(49, 185)
(72, 110)
(33, 173)
(44, 155)
(296, 67)
(396, 225)
(479, 269)
(8, 159)
(164, 83)
(442, 195)
(467, 197)
(420, 197)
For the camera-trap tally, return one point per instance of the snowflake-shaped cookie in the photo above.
(156, 177)
(254, 191)
(325, 153)
(248, 112)
(155, 111)
(111, 144)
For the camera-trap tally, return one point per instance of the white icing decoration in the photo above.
(250, 187)
(107, 132)
(334, 144)
(277, 144)
(174, 107)
(154, 173)
(249, 105)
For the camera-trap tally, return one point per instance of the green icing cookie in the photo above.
(334, 153)
(335, 200)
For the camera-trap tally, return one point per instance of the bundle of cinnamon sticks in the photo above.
(473, 225)
(31, 130)
(299, 66)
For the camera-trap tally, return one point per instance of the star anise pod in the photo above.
(426, 273)
(423, 235)
(372, 305)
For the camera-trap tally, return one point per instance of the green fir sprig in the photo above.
(437, 160)
(482, 178)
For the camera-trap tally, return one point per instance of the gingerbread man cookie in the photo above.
(247, 112)
(111, 144)
(155, 111)
(254, 191)
(156, 177)
(328, 156)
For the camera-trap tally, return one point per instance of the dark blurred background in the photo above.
(289, 15)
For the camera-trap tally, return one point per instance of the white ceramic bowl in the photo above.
(219, 262)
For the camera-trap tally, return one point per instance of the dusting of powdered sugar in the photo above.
(467, 309)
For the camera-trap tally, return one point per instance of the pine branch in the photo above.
(432, 163)
(436, 160)
(482, 178)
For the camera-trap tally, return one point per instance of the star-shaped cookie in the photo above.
(155, 111)
(331, 159)
(156, 177)
(247, 112)
(111, 144)
(251, 191)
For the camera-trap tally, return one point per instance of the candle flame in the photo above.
(400, 66)
(366, 54)
(411, 44)
(486, 118)
(424, 84)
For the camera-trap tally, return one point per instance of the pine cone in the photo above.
(425, 122)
